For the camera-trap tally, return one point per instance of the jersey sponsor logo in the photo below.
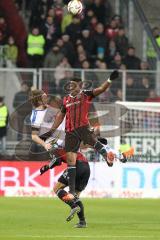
(71, 104)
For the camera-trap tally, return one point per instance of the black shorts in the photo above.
(82, 176)
(82, 134)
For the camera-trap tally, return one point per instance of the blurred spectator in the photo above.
(118, 19)
(11, 52)
(49, 32)
(53, 58)
(101, 9)
(97, 63)
(81, 57)
(74, 29)
(58, 14)
(85, 65)
(35, 48)
(87, 41)
(123, 67)
(86, 20)
(112, 30)
(122, 42)
(60, 71)
(38, 12)
(111, 51)
(102, 65)
(130, 89)
(153, 97)
(62, 76)
(80, 49)
(4, 114)
(143, 89)
(66, 21)
(20, 98)
(116, 63)
(3, 30)
(151, 54)
(144, 66)
(68, 49)
(78, 41)
(119, 95)
(131, 60)
(99, 42)
(2, 41)
(50, 12)
(93, 24)
(60, 44)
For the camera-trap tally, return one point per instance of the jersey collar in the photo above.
(75, 95)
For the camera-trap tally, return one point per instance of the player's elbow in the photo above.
(104, 88)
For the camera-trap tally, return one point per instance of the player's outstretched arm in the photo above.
(38, 140)
(53, 163)
(58, 120)
(106, 84)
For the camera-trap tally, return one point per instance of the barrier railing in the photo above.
(133, 86)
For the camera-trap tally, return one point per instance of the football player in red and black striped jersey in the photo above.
(82, 177)
(75, 108)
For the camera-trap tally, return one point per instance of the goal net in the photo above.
(144, 133)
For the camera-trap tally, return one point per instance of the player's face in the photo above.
(45, 98)
(74, 88)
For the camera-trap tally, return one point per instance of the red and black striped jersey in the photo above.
(76, 109)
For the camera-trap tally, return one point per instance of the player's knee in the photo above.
(58, 186)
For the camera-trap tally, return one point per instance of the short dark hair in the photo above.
(76, 79)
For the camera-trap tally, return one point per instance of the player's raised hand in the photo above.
(114, 75)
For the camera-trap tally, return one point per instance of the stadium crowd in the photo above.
(95, 39)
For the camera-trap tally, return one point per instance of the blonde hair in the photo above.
(35, 96)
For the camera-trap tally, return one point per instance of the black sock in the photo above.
(61, 193)
(71, 178)
(81, 213)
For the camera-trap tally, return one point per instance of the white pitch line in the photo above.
(81, 236)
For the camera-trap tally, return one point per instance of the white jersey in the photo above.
(37, 117)
(39, 122)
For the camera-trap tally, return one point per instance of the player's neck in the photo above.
(41, 107)
(74, 94)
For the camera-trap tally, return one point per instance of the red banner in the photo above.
(18, 175)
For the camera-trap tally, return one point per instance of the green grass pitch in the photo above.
(44, 218)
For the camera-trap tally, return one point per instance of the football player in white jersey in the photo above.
(42, 119)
